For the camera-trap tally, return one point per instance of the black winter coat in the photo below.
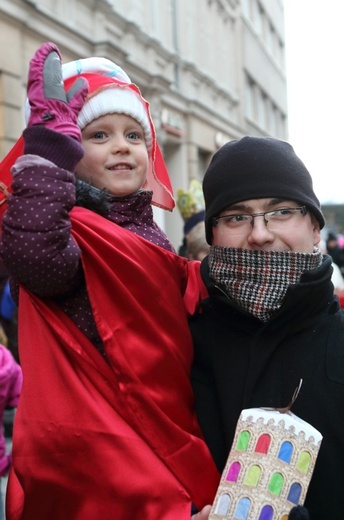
(241, 362)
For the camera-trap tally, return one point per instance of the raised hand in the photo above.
(50, 104)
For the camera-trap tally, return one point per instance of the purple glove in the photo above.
(50, 104)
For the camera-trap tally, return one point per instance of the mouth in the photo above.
(120, 167)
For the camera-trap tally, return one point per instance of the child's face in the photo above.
(116, 156)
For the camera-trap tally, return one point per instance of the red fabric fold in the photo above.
(93, 440)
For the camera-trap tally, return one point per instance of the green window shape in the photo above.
(276, 484)
(303, 462)
(243, 440)
(252, 476)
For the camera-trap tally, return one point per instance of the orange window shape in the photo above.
(263, 443)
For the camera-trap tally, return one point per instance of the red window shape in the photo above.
(263, 443)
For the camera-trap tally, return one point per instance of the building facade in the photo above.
(212, 70)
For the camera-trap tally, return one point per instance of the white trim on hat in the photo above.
(116, 99)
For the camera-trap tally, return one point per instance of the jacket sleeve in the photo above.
(37, 247)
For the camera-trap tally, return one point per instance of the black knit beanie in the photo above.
(255, 168)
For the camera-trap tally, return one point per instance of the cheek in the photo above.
(224, 239)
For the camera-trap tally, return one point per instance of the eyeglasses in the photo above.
(276, 220)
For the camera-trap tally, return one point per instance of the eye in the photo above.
(232, 220)
(98, 135)
(282, 213)
(134, 136)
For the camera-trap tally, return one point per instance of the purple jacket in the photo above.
(38, 216)
(10, 386)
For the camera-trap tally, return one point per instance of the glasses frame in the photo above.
(302, 209)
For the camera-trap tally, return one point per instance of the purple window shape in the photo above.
(233, 472)
(267, 513)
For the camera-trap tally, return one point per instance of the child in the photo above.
(10, 386)
(106, 427)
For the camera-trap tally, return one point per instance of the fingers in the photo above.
(202, 515)
(52, 77)
(77, 94)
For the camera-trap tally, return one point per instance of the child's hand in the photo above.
(50, 105)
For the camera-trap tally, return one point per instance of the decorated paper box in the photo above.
(269, 466)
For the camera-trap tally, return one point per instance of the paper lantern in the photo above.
(269, 467)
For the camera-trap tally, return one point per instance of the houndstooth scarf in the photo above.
(258, 280)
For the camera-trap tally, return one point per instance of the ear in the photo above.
(316, 232)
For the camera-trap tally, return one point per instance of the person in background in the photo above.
(11, 379)
(106, 426)
(335, 251)
(271, 318)
(197, 246)
(191, 206)
(8, 313)
(336, 278)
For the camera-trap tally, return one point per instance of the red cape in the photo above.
(117, 441)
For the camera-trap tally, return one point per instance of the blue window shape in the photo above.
(222, 505)
(294, 493)
(286, 451)
(242, 509)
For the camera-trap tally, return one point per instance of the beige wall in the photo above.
(190, 59)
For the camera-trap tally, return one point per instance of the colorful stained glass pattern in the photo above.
(286, 451)
(223, 504)
(276, 484)
(267, 513)
(252, 476)
(243, 440)
(295, 493)
(263, 443)
(303, 462)
(233, 472)
(242, 509)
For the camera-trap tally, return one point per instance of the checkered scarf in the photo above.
(258, 280)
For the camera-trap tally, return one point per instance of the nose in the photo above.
(119, 144)
(259, 234)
